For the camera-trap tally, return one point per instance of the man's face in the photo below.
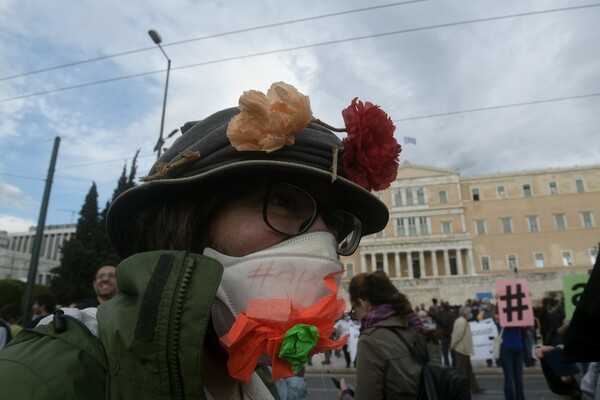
(105, 283)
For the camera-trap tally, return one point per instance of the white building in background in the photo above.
(16, 249)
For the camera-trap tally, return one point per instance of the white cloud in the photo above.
(411, 74)
(13, 197)
(12, 224)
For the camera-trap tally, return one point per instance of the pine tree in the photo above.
(73, 277)
(125, 182)
(90, 246)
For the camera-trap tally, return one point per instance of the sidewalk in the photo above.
(338, 366)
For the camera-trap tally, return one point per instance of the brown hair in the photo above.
(178, 223)
(377, 289)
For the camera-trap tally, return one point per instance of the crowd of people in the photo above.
(231, 269)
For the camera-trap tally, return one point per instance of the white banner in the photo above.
(483, 333)
(353, 340)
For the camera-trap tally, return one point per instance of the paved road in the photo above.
(320, 386)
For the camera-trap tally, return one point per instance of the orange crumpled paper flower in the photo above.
(267, 123)
(261, 330)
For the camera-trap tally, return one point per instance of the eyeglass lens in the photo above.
(292, 211)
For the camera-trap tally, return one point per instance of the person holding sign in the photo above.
(512, 360)
(515, 314)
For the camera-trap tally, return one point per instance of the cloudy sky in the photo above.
(484, 86)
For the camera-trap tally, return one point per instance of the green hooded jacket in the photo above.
(150, 343)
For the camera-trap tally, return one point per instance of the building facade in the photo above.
(451, 237)
(16, 250)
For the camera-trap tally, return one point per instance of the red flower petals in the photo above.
(370, 152)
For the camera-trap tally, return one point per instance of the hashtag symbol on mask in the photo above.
(514, 303)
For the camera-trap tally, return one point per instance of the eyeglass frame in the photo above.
(269, 186)
(352, 312)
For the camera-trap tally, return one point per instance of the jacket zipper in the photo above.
(173, 346)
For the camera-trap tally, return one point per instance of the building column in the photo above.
(434, 265)
(386, 267)
(459, 263)
(363, 263)
(397, 261)
(422, 264)
(410, 266)
(446, 263)
(470, 263)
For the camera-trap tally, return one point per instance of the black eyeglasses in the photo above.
(291, 211)
(352, 313)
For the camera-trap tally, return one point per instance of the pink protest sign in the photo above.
(514, 302)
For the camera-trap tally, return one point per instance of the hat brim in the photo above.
(340, 194)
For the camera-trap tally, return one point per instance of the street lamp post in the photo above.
(157, 40)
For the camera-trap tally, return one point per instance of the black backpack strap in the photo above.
(423, 359)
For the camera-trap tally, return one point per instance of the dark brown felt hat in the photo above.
(307, 163)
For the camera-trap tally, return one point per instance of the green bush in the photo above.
(12, 291)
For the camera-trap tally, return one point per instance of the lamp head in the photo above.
(155, 36)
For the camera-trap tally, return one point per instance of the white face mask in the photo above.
(293, 269)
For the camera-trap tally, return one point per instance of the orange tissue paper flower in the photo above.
(269, 122)
(263, 327)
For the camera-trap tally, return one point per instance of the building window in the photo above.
(349, 270)
(527, 190)
(443, 196)
(447, 227)
(501, 191)
(533, 222)
(559, 220)
(412, 227)
(409, 197)
(539, 260)
(512, 261)
(567, 258)
(423, 229)
(420, 196)
(579, 185)
(400, 228)
(398, 198)
(506, 224)
(480, 226)
(593, 255)
(587, 219)
(379, 234)
(379, 265)
(475, 194)
(553, 188)
(485, 263)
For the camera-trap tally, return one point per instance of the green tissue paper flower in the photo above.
(297, 343)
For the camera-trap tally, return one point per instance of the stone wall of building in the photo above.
(457, 289)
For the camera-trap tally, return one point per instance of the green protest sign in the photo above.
(573, 287)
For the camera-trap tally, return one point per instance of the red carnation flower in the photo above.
(370, 154)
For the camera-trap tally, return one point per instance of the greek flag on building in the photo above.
(410, 140)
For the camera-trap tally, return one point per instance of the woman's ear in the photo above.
(365, 304)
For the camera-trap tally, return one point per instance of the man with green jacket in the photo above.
(230, 254)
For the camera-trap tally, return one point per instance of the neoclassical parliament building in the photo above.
(451, 236)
